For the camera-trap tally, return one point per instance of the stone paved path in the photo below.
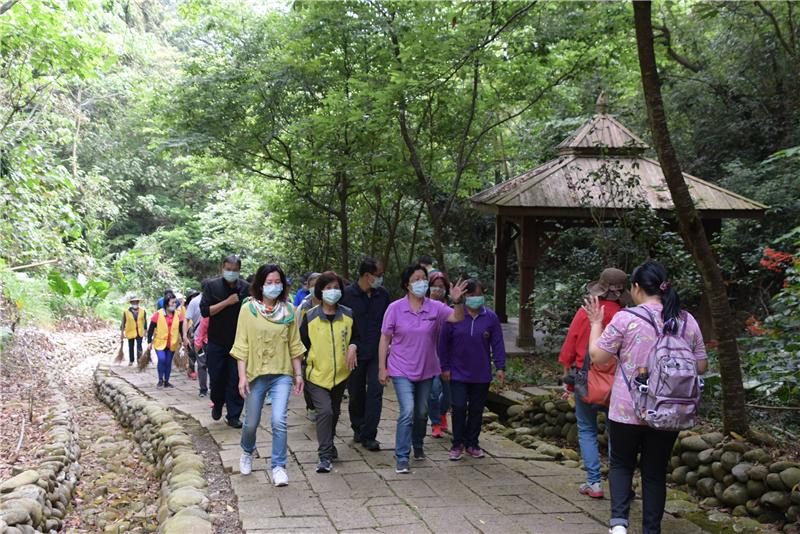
(511, 490)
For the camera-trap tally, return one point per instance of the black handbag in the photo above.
(581, 384)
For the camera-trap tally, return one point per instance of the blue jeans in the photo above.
(279, 386)
(586, 414)
(164, 364)
(412, 422)
(439, 401)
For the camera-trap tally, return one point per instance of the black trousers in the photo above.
(138, 341)
(654, 447)
(366, 399)
(467, 401)
(224, 377)
(328, 403)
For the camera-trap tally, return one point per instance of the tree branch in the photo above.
(480, 46)
(666, 40)
(776, 27)
(8, 5)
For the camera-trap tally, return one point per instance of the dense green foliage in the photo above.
(141, 142)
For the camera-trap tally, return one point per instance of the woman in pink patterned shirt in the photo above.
(631, 338)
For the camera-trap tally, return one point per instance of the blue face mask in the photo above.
(230, 276)
(419, 288)
(331, 296)
(272, 291)
(378, 282)
(475, 302)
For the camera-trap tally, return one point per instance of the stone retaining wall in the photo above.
(183, 500)
(737, 474)
(36, 500)
(548, 418)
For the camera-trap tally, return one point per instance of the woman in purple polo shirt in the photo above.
(467, 350)
(411, 326)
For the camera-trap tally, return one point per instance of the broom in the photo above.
(181, 360)
(144, 358)
(120, 354)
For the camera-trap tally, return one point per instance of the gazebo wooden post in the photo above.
(529, 245)
(501, 268)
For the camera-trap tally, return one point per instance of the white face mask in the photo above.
(272, 291)
(419, 288)
(134, 306)
(377, 282)
(331, 296)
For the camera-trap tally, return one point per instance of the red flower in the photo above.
(754, 326)
(776, 261)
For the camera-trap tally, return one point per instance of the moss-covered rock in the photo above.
(735, 494)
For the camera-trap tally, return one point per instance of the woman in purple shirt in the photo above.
(411, 326)
(631, 338)
(467, 350)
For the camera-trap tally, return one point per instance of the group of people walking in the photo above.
(439, 346)
(336, 338)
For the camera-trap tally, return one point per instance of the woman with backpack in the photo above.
(610, 289)
(655, 330)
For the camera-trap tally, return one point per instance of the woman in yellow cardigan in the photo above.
(269, 351)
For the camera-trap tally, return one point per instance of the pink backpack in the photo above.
(670, 399)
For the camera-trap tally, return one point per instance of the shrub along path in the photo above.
(511, 490)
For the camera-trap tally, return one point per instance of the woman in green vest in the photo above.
(133, 327)
(165, 335)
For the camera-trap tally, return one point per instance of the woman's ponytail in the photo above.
(671, 309)
(652, 278)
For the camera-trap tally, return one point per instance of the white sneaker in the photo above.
(246, 463)
(280, 478)
(619, 529)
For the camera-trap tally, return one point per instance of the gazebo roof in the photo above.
(601, 167)
(602, 135)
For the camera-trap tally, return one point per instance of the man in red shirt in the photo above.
(611, 289)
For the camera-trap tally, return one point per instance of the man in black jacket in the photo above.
(368, 300)
(221, 300)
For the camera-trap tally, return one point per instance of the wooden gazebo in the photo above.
(601, 173)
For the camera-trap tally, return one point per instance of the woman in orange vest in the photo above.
(133, 327)
(166, 335)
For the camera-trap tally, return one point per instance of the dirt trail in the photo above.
(118, 488)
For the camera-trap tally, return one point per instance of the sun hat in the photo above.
(133, 298)
(611, 285)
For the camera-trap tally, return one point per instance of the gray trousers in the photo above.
(202, 370)
(328, 404)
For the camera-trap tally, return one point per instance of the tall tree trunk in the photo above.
(437, 236)
(344, 221)
(734, 414)
(411, 250)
